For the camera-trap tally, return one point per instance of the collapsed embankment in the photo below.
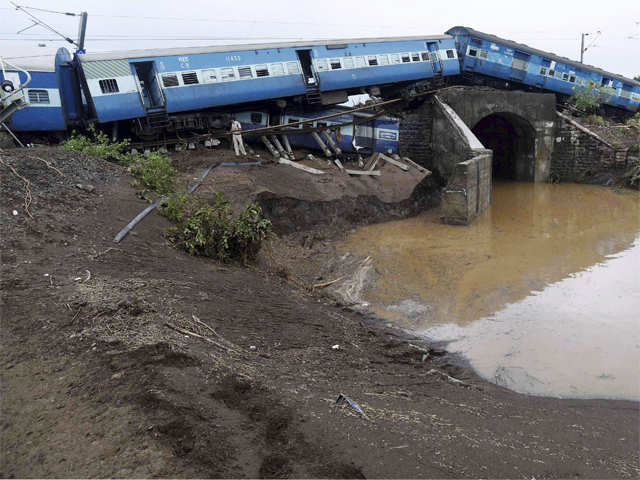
(137, 360)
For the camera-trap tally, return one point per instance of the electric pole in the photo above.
(583, 48)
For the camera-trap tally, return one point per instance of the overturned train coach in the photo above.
(358, 132)
(178, 89)
(487, 57)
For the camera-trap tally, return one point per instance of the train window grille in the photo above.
(406, 58)
(209, 76)
(190, 78)
(244, 72)
(348, 62)
(227, 74)
(276, 69)
(450, 54)
(552, 73)
(335, 64)
(372, 60)
(383, 59)
(256, 117)
(519, 64)
(395, 58)
(359, 62)
(170, 80)
(424, 56)
(38, 96)
(322, 65)
(484, 54)
(565, 76)
(625, 93)
(262, 71)
(109, 85)
(293, 68)
(473, 52)
(415, 57)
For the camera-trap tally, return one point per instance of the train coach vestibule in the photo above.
(512, 139)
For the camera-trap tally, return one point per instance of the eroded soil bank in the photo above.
(94, 382)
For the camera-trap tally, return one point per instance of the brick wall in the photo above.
(577, 155)
(415, 135)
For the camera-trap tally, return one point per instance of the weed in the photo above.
(212, 231)
(587, 98)
(154, 171)
(634, 121)
(596, 120)
(96, 144)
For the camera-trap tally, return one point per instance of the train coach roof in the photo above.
(118, 55)
(535, 51)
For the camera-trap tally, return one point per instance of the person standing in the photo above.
(238, 145)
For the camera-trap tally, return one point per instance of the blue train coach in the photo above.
(157, 87)
(43, 111)
(491, 56)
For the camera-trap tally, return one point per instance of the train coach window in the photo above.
(245, 72)
(359, 61)
(395, 58)
(335, 64)
(572, 79)
(484, 54)
(383, 59)
(473, 52)
(565, 76)
(450, 54)
(110, 85)
(190, 78)
(424, 56)
(322, 125)
(227, 74)
(543, 71)
(347, 62)
(256, 117)
(262, 71)
(170, 80)
(415, 57)
(372, 60)
(293, 68)
(294, 120)
(208, 76)
(322, 65)
(276, 69)
(38, 96)
(405, 57)
(552, 73)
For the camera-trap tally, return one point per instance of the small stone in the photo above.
(86, 188)
(15, 212)
(335, 347)
(253, 347)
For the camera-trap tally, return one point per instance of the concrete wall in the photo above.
(468, 193)
(578, 155)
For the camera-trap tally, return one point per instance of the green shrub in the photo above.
(212, 231)
(154, 171)
(634, 121)
(587, 98)
(595, 120)
(96, 144)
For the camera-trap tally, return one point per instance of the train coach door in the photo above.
(147, 82)
(434, 56)
(307, 68)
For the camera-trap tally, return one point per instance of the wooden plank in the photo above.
(375, 173)
(420, 168)
(390, 160)
(331, 143)
(373, 161)
(339, 164)
(321, 144)
(315, 171)
(270, 147)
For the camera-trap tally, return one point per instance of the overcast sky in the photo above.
(551, 25)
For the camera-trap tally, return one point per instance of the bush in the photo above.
(595, 120)
(211, 231)
(588, 97)
(96, 144)
(154, 171)
(634, 121)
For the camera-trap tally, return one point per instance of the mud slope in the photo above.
(98, 380)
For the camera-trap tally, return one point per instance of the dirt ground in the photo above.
(99, 378)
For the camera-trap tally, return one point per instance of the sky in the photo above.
(550, 25)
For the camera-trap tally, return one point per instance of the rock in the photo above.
(86, 188)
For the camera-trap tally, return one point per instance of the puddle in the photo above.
(541, 294)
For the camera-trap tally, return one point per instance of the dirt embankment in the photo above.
(137, 360)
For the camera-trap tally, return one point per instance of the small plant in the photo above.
(96, 144)
(634, 121)
(596, 120)
(212, 231)
(154, 171)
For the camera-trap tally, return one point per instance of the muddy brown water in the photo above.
(541, 294)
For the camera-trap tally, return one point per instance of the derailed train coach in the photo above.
(363, 132)
(177, 89)
(43, 107)
(492, 57)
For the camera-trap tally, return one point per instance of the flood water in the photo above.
(541, 293)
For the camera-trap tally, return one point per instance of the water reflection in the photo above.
(534, 235)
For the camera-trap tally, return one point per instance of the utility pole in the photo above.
(82, 29)
(582, 48)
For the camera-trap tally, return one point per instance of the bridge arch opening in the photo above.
(512, 139)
